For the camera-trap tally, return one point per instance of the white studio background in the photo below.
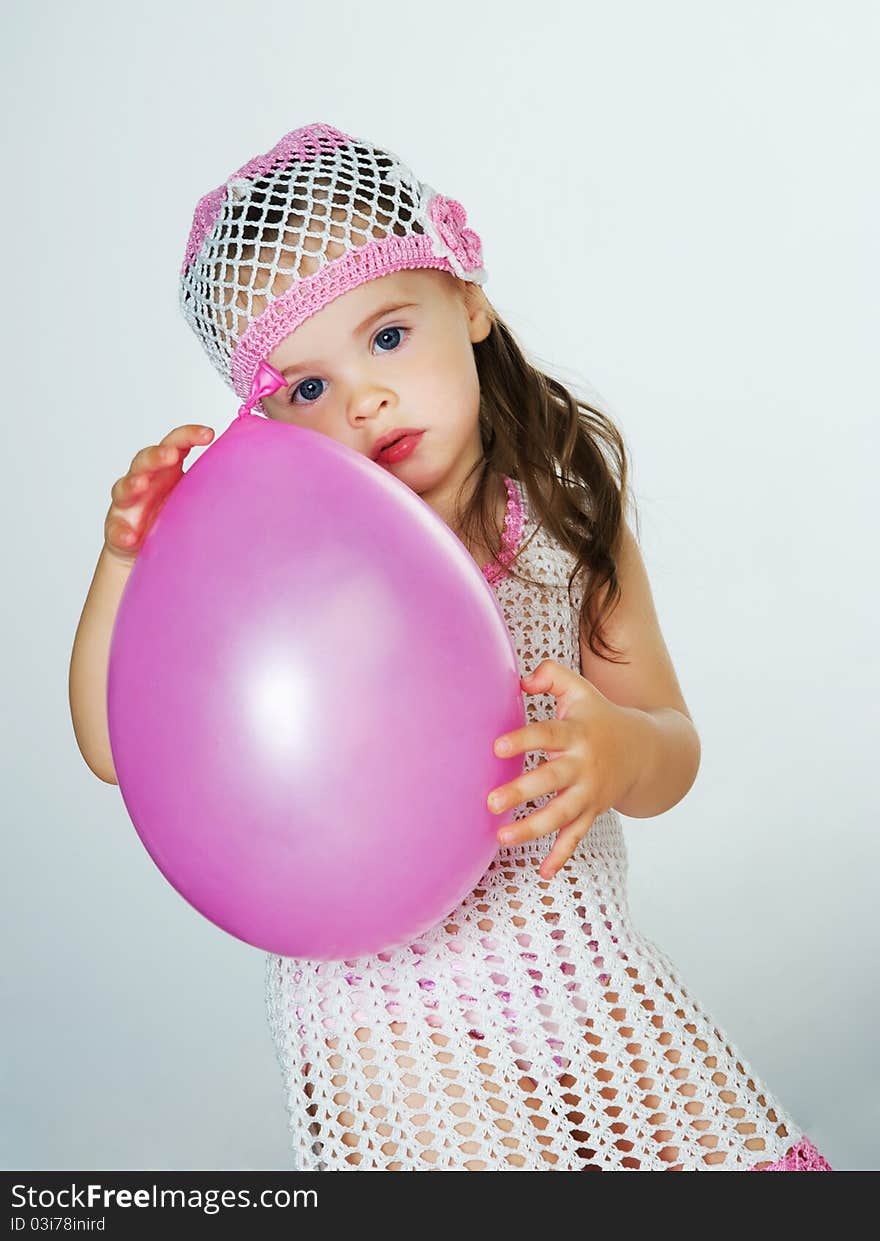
(679, 207)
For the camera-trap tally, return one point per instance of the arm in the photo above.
(89, 661)
(136, 499)
(671, 748)
(646, 688)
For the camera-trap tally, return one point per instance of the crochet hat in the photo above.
(291, 230)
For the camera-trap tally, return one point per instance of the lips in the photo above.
(392, 437)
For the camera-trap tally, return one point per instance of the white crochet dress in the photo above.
(535, 1028)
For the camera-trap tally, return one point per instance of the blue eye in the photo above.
(386, 330)
(305, 383)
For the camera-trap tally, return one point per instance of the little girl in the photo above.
(534, 1028)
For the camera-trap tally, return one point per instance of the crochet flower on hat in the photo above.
(450, 238)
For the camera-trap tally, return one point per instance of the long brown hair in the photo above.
(571, 460)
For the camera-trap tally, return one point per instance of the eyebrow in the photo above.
(371, 318)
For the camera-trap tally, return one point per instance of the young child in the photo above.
(535, 1028)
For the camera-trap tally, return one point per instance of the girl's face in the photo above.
(393, 353)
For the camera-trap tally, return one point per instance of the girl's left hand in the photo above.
(593, 762)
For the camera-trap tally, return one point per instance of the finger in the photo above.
(565, 844)
(551, 677)
(119, 534)
(155, 457)
(542, 735)
(126, 490)
(181, 441)
(187, 436)
(172, 448)
(545, 778)
(563, 809)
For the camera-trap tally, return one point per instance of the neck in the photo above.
(451, 495)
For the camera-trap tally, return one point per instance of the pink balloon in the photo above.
(307, 675)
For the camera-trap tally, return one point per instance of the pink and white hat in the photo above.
(291, 230)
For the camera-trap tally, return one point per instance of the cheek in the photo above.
(281, 410)
(451, 389)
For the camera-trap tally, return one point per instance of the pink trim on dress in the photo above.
(514, 522)
(803, 1157)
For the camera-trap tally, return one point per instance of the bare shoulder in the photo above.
(648, 680)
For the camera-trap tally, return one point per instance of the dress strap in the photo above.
(514, 523)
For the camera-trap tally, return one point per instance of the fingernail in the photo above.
(505, 837)
(495, 801)
(502, 747)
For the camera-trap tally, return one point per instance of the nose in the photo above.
(368, 404)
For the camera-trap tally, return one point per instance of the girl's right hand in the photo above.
(139, 495)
